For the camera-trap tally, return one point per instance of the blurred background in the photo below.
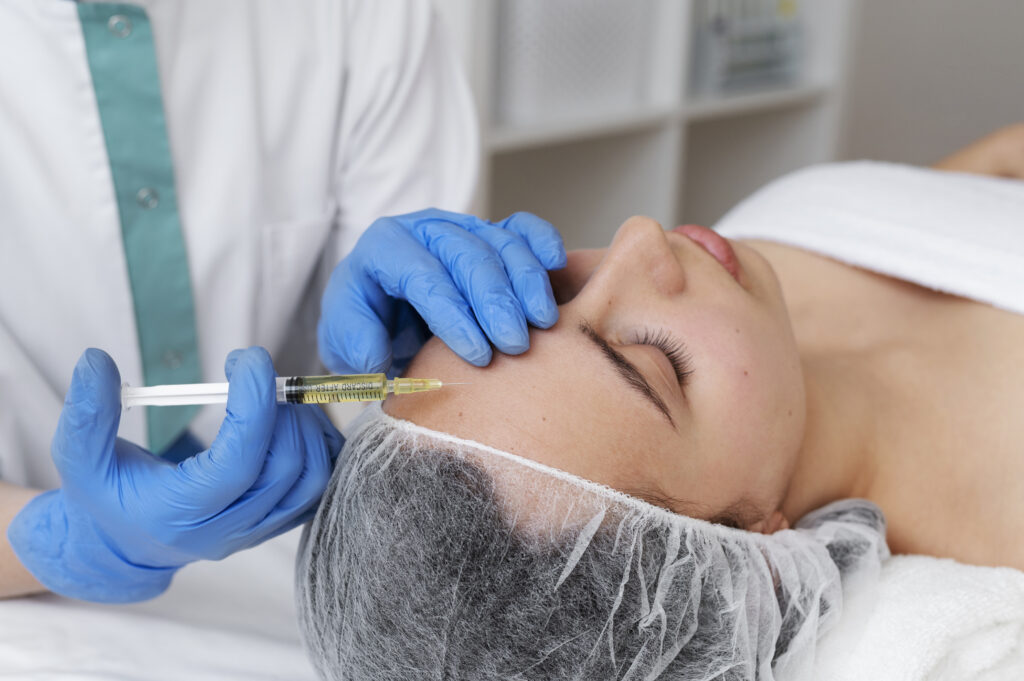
(595, 110)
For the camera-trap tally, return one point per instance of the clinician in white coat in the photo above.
(177, 180)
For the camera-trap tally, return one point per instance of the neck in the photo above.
(836, 458)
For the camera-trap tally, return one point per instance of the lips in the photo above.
(718, 246)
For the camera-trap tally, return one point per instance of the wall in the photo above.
(928, 76)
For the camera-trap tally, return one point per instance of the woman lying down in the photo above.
(680, 478)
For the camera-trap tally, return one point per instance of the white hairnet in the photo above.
(432, 557)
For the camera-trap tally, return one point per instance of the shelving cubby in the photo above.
(670, 154)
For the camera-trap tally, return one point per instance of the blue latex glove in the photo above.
(469, 280)
(125, 520)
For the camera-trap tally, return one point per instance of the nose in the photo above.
(639, 262)
(641, 251)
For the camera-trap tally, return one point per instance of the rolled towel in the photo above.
(951, 232)
(932, 620)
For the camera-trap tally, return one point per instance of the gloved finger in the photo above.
(230, 361)
(351, 336)
(289, 524)
(528, 276)
(544, 240)
(83, 445)
(424, 281)
(309, 485)
(540, 235)
(480, 276)
(285, 463)
(411, 334)
(221, 474)
(301, 501)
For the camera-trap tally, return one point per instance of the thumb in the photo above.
(83, 446)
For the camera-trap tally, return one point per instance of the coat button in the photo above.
(148, 198)
(172, 359)
(120, 25)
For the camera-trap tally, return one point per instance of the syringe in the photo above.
(290, 389)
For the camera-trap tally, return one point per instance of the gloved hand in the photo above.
(125, 520)
(469, 280)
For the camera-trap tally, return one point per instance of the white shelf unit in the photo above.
(674, 156)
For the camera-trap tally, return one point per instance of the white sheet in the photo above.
(233, 619)
(933, 620)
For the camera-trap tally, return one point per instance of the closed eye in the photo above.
(626, 370)
(674, 351)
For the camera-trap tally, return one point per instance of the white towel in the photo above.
(952, 232)
(933, 620)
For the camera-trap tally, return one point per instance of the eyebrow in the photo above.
(626, 370)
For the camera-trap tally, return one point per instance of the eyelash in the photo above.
(674, 350)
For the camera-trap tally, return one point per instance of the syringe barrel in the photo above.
(290, 390)
(324, 389)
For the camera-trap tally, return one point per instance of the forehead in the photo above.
(558, 404)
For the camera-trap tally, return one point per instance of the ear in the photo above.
(773, 523)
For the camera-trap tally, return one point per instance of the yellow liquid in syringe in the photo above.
(350, 388)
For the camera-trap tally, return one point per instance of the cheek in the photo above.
(755, 406)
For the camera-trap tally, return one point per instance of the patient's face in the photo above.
(725, 437)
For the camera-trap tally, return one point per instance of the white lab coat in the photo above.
(292, 126)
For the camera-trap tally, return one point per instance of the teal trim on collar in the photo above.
(119, 46)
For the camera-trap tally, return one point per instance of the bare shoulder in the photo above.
(1000, 153)
(950, 405)
(835, 306)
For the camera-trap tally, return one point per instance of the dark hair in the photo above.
(504, 586)
(420, 565)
